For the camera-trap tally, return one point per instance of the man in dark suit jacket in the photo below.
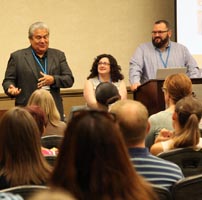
(37, 67)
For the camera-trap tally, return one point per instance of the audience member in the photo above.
(104, 69)
(175, 87)
(106, 94)
(98, 164)
(135, 127)
(43, 98)
(39, 116)
(20, 150)
(160, 53)
(37, 66)
(186, 132)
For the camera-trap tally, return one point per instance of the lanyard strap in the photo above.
(43, 68)
(166, 62)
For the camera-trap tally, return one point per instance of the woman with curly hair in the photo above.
(104, 69)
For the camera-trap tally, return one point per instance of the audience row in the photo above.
(103, 153)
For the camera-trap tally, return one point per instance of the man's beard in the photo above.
(161, 43)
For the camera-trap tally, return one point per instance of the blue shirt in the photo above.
(146, 60)
(155, 170)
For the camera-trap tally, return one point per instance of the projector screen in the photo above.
(189, 25)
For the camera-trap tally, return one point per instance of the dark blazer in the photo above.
(23, 72)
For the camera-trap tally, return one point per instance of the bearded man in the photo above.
(161, 52)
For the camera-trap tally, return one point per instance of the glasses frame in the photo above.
(104, 63)
(159, 32)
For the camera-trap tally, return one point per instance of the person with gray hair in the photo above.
(35, 67)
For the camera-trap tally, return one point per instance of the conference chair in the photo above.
(188, 188)
(50, 141)
(51, 159)
(188, 159)
(76, 108)
(25, 190)
(162, 193)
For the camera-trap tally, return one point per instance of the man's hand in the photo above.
(45, 80)
(134, 86)
(12, 90)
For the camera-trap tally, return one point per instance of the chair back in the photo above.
(50, 141)
(188, 159)
(188, 188)
(162, 193)
(51, 159)
(25, 191)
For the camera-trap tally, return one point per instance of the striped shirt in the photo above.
(147, 59)
(155, 170)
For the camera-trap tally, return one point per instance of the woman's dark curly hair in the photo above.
(115, 69)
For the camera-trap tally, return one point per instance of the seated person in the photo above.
(93, 162)
(134, 128)
(104, 69)
(39, 116)
(186, 132)
(175, 87)
(22, 162)
(45, 101)
(106, 93)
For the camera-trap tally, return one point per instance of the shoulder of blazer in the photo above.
(22, 51)
(53, 51)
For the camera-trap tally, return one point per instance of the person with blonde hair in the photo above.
(186, 118)
(22, 162)
(175, 87)
(44, 99)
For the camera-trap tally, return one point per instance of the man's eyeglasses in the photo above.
(39, 37)
(103, 63)
(159, 32)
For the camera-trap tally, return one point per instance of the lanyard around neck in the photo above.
(43, 68)
(165, 63)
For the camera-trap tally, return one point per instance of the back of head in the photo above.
(44, 99)
(189, 112)
(178, 86)
(94, 153)
(106, 93)
(39, 116)
(20, 148)
(186, 107)
(133, 120)
(19, 132)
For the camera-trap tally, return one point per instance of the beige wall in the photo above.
(82, 28)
